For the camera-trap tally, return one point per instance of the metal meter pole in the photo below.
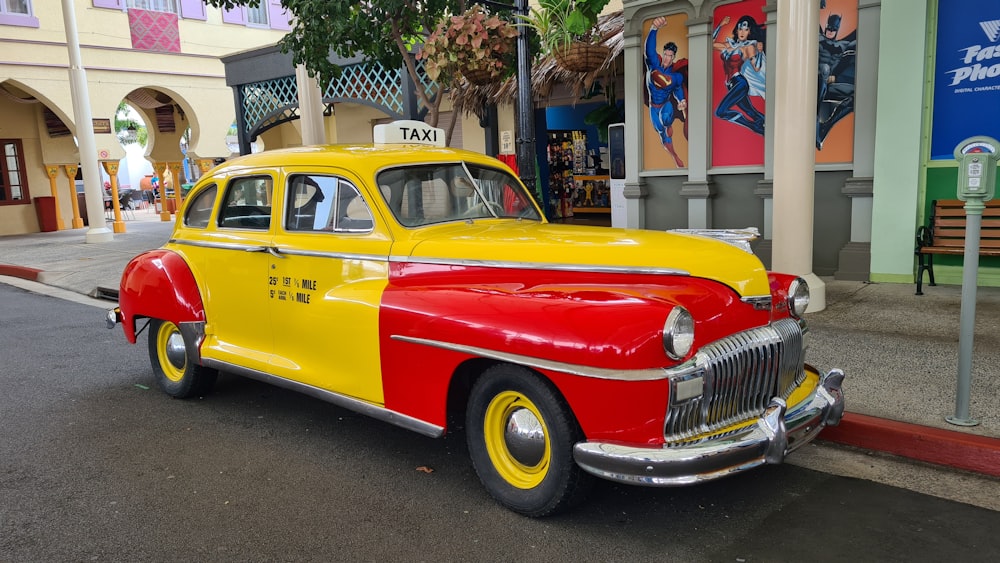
(970, 269)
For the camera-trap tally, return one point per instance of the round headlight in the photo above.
(678, 333)
(798, 297)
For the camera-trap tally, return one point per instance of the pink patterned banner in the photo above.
(154, 31)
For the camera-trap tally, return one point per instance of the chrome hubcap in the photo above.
(525, 437)
(175, 350)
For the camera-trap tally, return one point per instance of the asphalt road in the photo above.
(97, 465)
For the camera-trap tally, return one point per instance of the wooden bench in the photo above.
(945, 234)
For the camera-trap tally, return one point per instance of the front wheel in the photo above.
(174, 373)
(521, 436)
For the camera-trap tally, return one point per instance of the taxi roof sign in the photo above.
(409, 132)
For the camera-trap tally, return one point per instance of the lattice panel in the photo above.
(374, 83)
(270, 102)
(368, 81)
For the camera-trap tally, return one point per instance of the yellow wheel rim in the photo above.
(170, 351)
(517, 440)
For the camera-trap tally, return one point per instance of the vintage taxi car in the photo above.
(422, 285)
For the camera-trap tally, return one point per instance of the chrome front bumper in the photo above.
(777, 433)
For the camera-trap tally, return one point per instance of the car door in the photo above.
(328, 273)
(231, 262)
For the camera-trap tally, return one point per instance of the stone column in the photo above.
(310, 108)
(111, 167)
(854, 262)
(52, 171)
(635, 187)
(71, 170)
(175, 172)
(160, 168)
(698, 189)
(795, 143)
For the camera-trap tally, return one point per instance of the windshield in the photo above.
(438, 193)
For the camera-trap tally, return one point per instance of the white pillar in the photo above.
(87, 145)
(635, 187)
(854, 259)
(795, 144)
(310, 108)
(698, 190)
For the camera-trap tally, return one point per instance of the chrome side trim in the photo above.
(350, 403)
(777, 433)
(541, 266)
(336, 255)
(575, 369)
(220, 245)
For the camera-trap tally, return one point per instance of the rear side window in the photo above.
(247, 204)
(199, 209)
(325, 203)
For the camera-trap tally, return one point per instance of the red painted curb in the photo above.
(933, 445)
(23, 272)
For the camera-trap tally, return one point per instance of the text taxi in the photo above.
(413, 283)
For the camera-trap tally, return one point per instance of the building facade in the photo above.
(161, 57)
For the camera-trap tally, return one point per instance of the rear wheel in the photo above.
(175, 374)
(521, 436)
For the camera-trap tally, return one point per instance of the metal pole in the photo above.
(93, 191)
(970, 268)
(525, 141)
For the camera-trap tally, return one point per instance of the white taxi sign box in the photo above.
(408, 132)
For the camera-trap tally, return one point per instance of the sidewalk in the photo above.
(899, 350)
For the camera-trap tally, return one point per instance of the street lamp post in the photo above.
(93, 191)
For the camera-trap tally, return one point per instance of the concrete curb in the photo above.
(22, 272)
(970, 452)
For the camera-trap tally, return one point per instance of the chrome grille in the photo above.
(741, 374)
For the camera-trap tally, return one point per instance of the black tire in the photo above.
(539, 477)
(175, 374)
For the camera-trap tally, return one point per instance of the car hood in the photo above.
(533, 244)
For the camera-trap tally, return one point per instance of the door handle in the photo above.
(275, 252)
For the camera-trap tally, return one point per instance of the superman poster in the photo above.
(664, 125)
(738, 72)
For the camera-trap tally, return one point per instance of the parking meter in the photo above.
(977, 164)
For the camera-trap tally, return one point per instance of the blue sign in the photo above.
(967, 75)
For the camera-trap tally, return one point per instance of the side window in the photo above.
(247, 204)
(199, 210)
(17, 12)
(324, 203)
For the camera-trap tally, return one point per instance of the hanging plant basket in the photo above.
(478, 76)
(581, 57)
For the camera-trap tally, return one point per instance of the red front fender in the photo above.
(158, 284)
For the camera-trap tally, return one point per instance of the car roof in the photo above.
(357, 157)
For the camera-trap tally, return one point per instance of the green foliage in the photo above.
(473, 41)
(377, 29)
(561, 22)
(124, 121)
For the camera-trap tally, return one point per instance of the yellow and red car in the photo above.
(419, 284)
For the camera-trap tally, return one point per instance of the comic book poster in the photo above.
(966, 74)
(739, 68)
(838, 42)
(664, 123)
